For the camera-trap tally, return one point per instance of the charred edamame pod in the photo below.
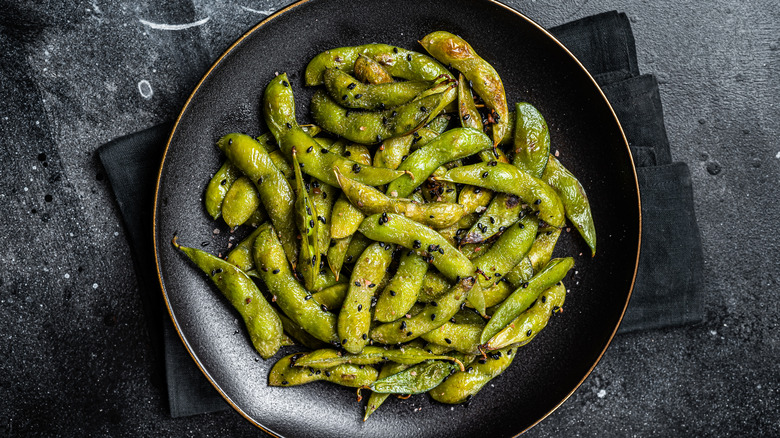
(506, 252)
(329, 358)
(465, 384)
(369, 71)
(575, 201)
(284, 373)
(351, 93)
(526, 326)
(532, 140)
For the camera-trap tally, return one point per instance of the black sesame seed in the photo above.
(352, 86)
(434, 304)
(360, 307)
(288, 125)
(392, 293)
(453, 320)
(307, 297)
(357, 283)
(275, 271)
(482, 360)
(520, 224)
(416, 244)
(467, 116)
(284, 382)
(285, 83)
(327, 373)
(524, 285)
(544, 298)
(358, 96)
(309, 149)
(448, 340)
(230, 141)
(433, 316)
(408, 333)
(322, 219)
(324, 151)
(395, 49)
(529, 332)
(423, 109)
(344, 97)
(485, 175)
(492, 220)
(311, 223)
(356, 168)
(403, 325)
(409, 57)
(537, 202)
(365, 336)
(372, 285)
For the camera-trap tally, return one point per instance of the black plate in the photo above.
(534, 68)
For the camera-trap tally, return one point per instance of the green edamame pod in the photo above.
(509, 136)
(522, 298)
(452, 50)
(435, 190)
(346, 217)
(241, 255)
(332, 297)
(502, 212)
(291, 297)
(415, 380)
(401, 63)
(355, 316)
(475, 199)
(506, 252)
(218, 187)
(371, 201)
(434, 285)
(526, 326)
(257, 217)
(575, 201)
(369, 71)
(376, 399)
(460, 337)
(262, 322)
(284, 373)
(275, 191)
(351, 93)
(401, 292)
(467, 110)
(463, 385)
(281, 163)
(337, 253)
(532, 140)
(506, 178)
(241, 201)
(497, 292)
(538, 256)
(306, 215)
(298, 334)
(393, 151)
(452, 145)
(370, 127)
(329, 358)
(434, 315)
(314, 159)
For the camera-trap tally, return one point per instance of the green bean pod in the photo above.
(463, 385)
(452, 50)
(502, 212)
(314, 159)
(526, 326)
(329, 358)
(241, 201)
(369, 71)
(401, 292)
(351, 93)
(241, 255)
(532, 140)
(291, 297)
(370, 127)
(275, 191)
(376, 399)
(522, 298)
(371, 201)
(262, 322)
(401, 63)
(452, 145)
(218, 187)
(415, 380)
(434, 315)
(575, 201)
(460, 337)
(284, 373)
(536, 258)
(506, 178)
(354, 320)
(506, 252)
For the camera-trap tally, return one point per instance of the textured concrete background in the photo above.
(75, 356)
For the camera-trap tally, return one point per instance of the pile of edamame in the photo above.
(409, 250)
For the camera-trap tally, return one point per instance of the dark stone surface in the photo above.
(76, 357)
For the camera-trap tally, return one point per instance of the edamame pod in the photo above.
(369, 71)
(506, 178)
(332, 297)
(532, 140)
(355, 316)
(376, 398)
(502, 212)
(306, 215)
(329, 358)
(506, 252)
(538, 256)
(526, 326)
(415, 380)
(475, 199)
(463, 385)
(370, 127)
(452, 145)
(241, 255)
(434, 315)
(467, 110)
(401, 292)
(291, 297)
(461, 337)
(452, 50)
(371, 201)
(575, 201)
(522, 298)
(218, 187)
(434, 285)
(262, 322)
(275, 192)
(284, 373)
(298, 334)
(351, 93)
(241, 201)
(399, 62)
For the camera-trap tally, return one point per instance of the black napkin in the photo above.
(667, 290)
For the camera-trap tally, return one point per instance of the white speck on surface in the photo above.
(758, 386)
(264, 11)
(94, 285)
(116, 233)
(713, 333)
(164, 26)
(67, 276)
(778, 155)
(26, 189)
(145, 88)
(601, 393)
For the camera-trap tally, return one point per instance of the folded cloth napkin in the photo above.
(668, 285)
